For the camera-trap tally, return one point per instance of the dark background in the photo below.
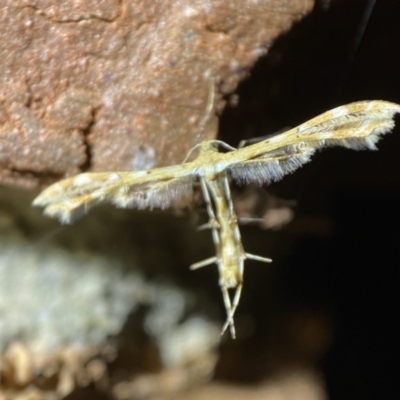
(342, 260)
(329, 301)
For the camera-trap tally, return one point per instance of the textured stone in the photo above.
(109, 85)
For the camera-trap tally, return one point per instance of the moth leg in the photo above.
(228, 196)
(242, 256)
(233, 219)
(232, 309)
(238, 293)
(249, 220)
(207, 199)
(203, 263)
(213, 223)
(236, 299)
(258, 258)
(229, 310)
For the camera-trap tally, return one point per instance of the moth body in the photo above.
(230, 254)
(357, 126)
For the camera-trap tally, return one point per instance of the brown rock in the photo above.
(109, 85)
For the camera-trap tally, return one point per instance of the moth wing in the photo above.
(356, 126)
(71, 198)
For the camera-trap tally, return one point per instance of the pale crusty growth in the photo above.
(356, 126)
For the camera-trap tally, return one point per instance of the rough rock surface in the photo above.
(121, 85)
(111, 85)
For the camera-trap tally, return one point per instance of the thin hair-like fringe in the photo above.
(267, 171)
(160, 195)
(275, 165)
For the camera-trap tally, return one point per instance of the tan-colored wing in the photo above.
(70, 198)
(356, 126)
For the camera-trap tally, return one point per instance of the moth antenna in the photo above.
(190, 152)
(248, 142)
(355, 45)
(208, 110)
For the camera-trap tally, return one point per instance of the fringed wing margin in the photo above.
(71, 198)
(357, 126)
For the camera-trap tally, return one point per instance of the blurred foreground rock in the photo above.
(72, 301)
